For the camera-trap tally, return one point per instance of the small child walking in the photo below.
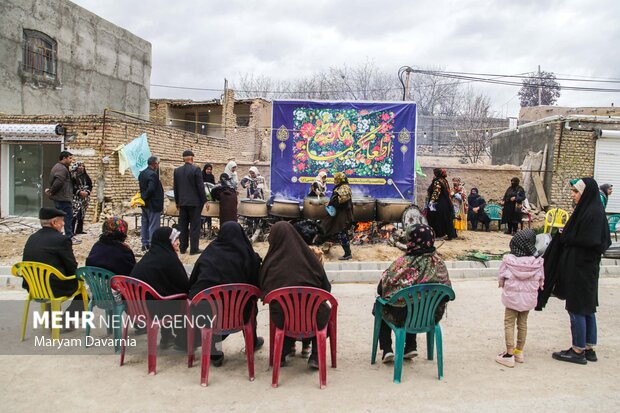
(521, 275)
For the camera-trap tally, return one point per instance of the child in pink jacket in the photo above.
(521, 275)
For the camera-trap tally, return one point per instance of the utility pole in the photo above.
(539, 87)
(406, 85)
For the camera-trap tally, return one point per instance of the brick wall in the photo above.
(573, 157)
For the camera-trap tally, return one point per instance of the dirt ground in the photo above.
(473, 381)
(494, 242)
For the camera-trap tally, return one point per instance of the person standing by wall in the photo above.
(61, 191)
(440, 212)
(82, 186)
(513, 202)
(605, 192)
(190, 197)
(459, 202)
(152, 193)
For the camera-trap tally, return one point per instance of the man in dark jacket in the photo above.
(49, 246)
(152, 193)
(190, 197)
(61, 190)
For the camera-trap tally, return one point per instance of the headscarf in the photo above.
(319, 181)
(440, 172)
(255, 170)
(587, 226)
(473, 196)
(420, 265)
(605, 188)
(232, 175)
(421, 240)
(342, 187)
(456, 181)
(523, 243)
(227, 260)
(76, 164)
(289, 262)
(161, 267)
(514, 182)
(114, 229)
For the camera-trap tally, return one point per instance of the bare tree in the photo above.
(473, 141)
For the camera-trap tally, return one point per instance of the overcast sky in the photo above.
(198, 43)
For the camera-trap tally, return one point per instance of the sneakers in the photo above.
(409, 354)
(346, 257)
(145, 248)
(505, 359)
(519, 358)
(313, 361)
(75, 241)
(388, 356)
(570, 356)
(591, 354)
(198, 251)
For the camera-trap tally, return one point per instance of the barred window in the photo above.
(39, 54)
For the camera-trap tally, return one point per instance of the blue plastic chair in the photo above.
(494, 212)
(98, 280)
(421, 301)
(613, 224)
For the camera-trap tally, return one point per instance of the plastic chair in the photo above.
(613, 224)
(98, 281)
(494, 212)
(300, 306)
(421, 300)
(37, 276)
(555, 218)
(226, 303)
(135, 293)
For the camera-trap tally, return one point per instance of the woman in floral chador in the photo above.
(440, 210)
(419, 265)
(459, 202)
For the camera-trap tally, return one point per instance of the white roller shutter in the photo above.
(607, 166)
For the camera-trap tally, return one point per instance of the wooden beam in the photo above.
(540, 191)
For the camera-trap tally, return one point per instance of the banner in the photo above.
(373, 143)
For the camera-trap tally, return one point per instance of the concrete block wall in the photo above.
(99, 64)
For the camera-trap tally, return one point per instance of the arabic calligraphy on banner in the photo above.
(372, 143)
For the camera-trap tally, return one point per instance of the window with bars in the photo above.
(39, 57)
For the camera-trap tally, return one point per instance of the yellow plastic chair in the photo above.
(37, 276)
(555, 218)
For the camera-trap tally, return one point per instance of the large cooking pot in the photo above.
(170, 208)
(214, 209)
(391, 209)
(285, 208)
(314, 207)
(252, 208)
(364, 209)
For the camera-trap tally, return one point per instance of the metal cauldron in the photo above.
(364, 209)
(252, 208)
(314, 207)
(391, 209)
(214, 209)
(285, 208)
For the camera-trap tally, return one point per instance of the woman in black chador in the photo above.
(513, 202)
(440, 210)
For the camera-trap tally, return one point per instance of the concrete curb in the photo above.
(370, 271)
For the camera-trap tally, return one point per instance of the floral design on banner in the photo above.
(358, 143)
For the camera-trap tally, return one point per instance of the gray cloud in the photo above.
(199, 43)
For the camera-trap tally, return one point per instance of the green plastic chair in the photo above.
(98, 280)
(613, 224)
(494, 212)
(421, 302)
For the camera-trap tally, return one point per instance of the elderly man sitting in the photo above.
(49, 246)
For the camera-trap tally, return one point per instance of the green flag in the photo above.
(418, 168)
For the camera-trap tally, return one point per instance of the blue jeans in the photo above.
(583, 329)
(67, 208)
(150, 222)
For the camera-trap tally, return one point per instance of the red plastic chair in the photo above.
(226, 303)
(300, 306)
(135, 293)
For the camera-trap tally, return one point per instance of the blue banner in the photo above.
(373, 143)
(137, 153)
